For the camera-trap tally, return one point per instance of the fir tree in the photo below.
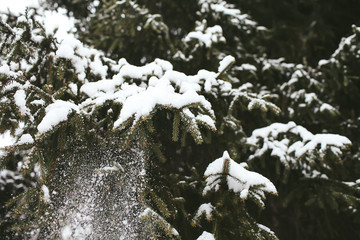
(120, 131)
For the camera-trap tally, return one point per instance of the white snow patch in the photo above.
(225, 63)
(55, 113)
(74, 88)
(207, 120)
(206, 236)
(325, 141)
(163, 94)
(266, 229)
(20, 101)
(80, 56)
(65, 50)
(206, 208)
(206, 35)
(327, 107)
(248, 67)
(58, 19)
(6, 140)
(274, 138)
(237, 177)
(18, 6)
(5, 69)
(323, 62)
(39, 102)
(66, 233)
(343, 42)
(92, 89)
(25, 139)
(244, 194)
(46, 196)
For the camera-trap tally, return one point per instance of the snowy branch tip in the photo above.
(224, 170)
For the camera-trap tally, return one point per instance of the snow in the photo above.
(5, 69)
(323, 62)
(269, 139)
(207, 120)
(97, 207)
(159, 86)
(238, 178)
(5, 140)
(66, 233)
(107, 169)
(210, 79)
(325, 141)
(143, 104)
(97, 67)
(255, 102)
(25, 139)
(272, 130)
(310, 97)
(55, 113)
(95, 89)
(74, 88)
(130, 71)
(18, 6)
(344, 42)
(50, 19)
(228, 10)
(65, 50)
(38, 102)
(148, 212)
(206, 35)
(206, 236)
(140, 101)
(14, 178)
(183, 82)
(225, 63)
(21, 19)
(58, 19)
(244, 194)
(110, 169)
(266, 229)
(20, 101)
(261, 28)
(46, 196)
(205, 208)
(248, 67)
(327, 107)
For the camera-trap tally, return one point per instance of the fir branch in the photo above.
(176, 127)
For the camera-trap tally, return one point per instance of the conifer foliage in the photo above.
(165, 119)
